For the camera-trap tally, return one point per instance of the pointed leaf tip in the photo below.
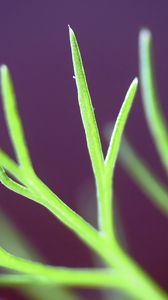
(145, 34)
(71, 32)
(119, 126)
(133, 87)
(135, 80)
(69, 27)
(3, 69)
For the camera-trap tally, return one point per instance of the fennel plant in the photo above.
(120, 271)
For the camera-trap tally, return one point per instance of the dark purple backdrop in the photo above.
(34, 43)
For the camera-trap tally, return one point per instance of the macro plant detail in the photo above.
(137, 168)
(120, 271)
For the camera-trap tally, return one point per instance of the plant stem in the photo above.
(124, 273)
(60, 276)
(153, 111)
(13, 120)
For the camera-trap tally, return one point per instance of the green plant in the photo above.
(121, 272)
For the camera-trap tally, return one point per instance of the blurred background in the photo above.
(34, 43)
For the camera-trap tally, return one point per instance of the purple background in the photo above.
(34, 43)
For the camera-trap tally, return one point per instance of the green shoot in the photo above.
(87, 112)
(121, 272)
(119, 127)
(102, 169)
(89, 121)
(153, 111)
(13, 120)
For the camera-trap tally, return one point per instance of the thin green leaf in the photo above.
(153, 111)
(90, 126)
(119, 127)
(87, 111)
(144, 176)
(13, 119)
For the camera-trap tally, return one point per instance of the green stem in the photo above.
(13, 120)
(107, 228)
(60, 276)
(153, 111)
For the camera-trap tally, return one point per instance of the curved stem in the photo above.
(153, 111)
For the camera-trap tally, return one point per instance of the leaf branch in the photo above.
(154, 115)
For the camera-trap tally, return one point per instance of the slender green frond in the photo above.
(87, 111)
(119, 127)
(123, 272)
(90, 126)
(13, 119)
(107, 191)
(153, 111)
(144, 176)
